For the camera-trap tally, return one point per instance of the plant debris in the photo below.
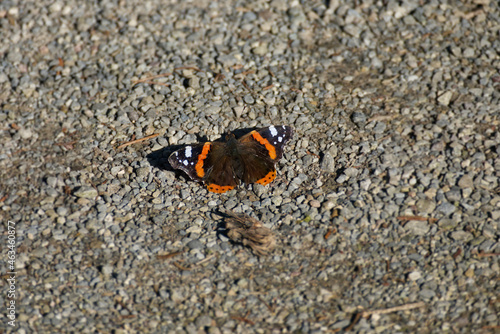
(250, 232)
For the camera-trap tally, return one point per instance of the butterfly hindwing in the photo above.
(219, 170)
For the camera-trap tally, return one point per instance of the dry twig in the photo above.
(149, 79)
(138, 140)
(242, 319)
(169, 256)
(405, 307)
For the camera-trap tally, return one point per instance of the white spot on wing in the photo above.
(185, 162)
(273, 130)
(280, 139)
(188, 152)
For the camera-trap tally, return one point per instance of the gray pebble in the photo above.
(465, 182)
(195, 244)
(86, 192)
(446, 208)
(328, 163)
(417, 227)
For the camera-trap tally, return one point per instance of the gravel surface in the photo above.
(386, 207)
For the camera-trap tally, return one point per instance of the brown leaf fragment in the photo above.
(250, 232)
(219, 77)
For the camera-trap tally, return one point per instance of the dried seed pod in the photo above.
(250, 232)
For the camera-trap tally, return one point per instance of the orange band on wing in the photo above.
(201, 158)
(268, 178)
(218, 189)
(270, 148)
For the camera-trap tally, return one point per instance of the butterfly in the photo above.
(221, 166)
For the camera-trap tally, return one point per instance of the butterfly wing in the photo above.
(219, 170)
(260, 150)
(206, 163)
(187, 160)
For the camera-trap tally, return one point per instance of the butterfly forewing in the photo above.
(186, 160)
(272, 138)
(260, 150)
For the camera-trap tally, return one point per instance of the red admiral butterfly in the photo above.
(221, 166)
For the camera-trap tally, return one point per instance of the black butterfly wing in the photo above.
(207, 163)
(187, 160)
(260, 150)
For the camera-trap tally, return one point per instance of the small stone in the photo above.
(117, 169)
(445, 98)
(446, 208)
(352, 30)
(365, 184)
(212, 110)
(194, 82)
(203, 321)
(341, 324)
(358, 117)
(86, 192)
(454, 195)
(52, 181)
(465, 182)
(470, 272)
(342, 178)
(238, 110)
(107, 270)
(414, 276)
(314, 204)
(469, 53)
(249, 99)
(328, 163)
(380, 127)
(242, 283)
(447, 224)
(495, 215)
(260, 50)
(143, 172)
(427, 294)
(25, 133)
(461, 236)
(55, 7)
(328, 205)
(426, 205)
(417, 227)
(3, 78)
(176, 295)
(195, 244)
(62, 211)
